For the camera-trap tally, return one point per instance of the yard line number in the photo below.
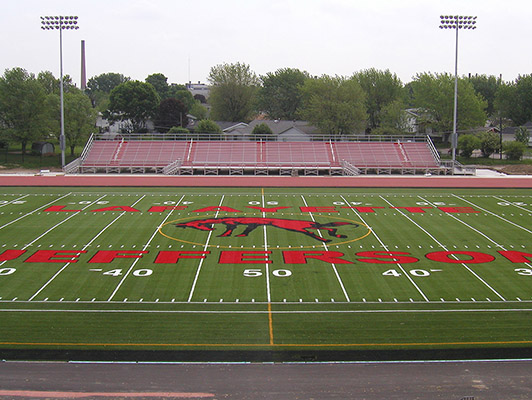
(413, 272)
(255, 272)
(138, 272)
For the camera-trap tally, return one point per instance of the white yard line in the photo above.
(84, 247)
(400, 266)
(476, 230)
(34, 211)
(143, 249)
(512, 203)
(193, 288)
(266, 264)
(397, 311)
(466, 224)
(12, 201)
(341, 283)
(53, 227)
(473, 229)
(495, 215)
(446, 249)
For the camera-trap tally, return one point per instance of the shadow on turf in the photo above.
(265, 356)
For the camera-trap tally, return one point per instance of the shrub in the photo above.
(490, 143)
(467, 144)
(261, 129)
(178, 129)
(207, 126)
(514, 150)
(522, 135)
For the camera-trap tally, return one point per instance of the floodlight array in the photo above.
(59, 22)
(457, 22)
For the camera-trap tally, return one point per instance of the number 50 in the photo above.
(280, 273)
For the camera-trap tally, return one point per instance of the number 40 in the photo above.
(413, 272)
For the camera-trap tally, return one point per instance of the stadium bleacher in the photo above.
(137, 154)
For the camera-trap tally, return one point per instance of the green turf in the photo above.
(272, 289)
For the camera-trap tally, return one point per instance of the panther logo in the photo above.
(251, 223)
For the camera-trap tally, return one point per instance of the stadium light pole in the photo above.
(456, 22)
(60, 23)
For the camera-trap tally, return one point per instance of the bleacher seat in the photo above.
(146, 155)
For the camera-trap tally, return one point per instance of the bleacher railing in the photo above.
(229, 138)
(73, 166)
(172, 168)
(433, 150)
(349, 168)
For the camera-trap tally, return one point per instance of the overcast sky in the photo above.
(183, 39)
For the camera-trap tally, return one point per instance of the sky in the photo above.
(183, 39)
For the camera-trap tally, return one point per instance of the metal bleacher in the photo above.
(178, 155)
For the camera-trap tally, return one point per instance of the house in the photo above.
(199, 91)
(112, 128)
(508, 133)
(418, 120)
(282, 130)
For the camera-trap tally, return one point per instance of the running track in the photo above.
(268, 181)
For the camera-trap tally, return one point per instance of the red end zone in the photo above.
(268, 181)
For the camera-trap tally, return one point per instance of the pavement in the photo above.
(477, 380)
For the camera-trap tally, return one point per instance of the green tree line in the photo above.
(371, 101)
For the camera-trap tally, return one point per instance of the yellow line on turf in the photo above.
(270, 322)
(269, 345)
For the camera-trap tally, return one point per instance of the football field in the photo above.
(265, 268)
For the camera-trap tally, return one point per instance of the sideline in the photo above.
(154, 180)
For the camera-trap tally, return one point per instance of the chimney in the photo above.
(83, 68)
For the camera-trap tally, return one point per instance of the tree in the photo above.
(23, 107)
(105, 82)
(262, 131)
(80, 118)
(435, 94)
(99, 88)
(280, 95)
(133, 102)
(523, 99)
(486, 86)
(233, 90)
(522, 135)
(490, 143)
(381, 88)
(181, 93)
(160, 83)
(393, 119)
(514, 150)
(198, 111)
(171, 112)
(207, 126)
(334, 104)
(467, 144)
(52, 85)
(514, 100)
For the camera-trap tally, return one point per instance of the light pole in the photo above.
(60, 22)
(456, 22)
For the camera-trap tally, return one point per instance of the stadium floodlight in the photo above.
(456, 22)
(60, 23)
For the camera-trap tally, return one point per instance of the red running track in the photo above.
(268, 181)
